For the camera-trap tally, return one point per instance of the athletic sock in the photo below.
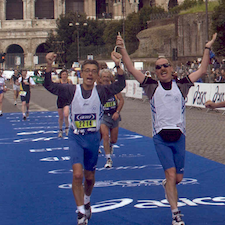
(24, 114)
(81, 209)
(87, 199)
(108, 156)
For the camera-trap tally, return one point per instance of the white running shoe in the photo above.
(177, 220)
(88, 210)
(81, 219)
(109, 163)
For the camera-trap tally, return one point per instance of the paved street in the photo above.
(205, 130)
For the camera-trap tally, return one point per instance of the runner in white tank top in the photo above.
(167, 105)
(86, 107)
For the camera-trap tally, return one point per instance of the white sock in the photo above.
(81, 209)
(108, 156)
(24, 114)
(87, 199)
(0, 111)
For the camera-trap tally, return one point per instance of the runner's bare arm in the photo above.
(212, 105)
(205, 61)
(50, 58)
(127, 61)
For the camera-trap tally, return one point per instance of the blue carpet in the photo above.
(35, 175)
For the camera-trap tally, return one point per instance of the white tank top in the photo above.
(85, 114)
(168, 109)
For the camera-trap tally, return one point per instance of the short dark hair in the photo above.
(94, 62)
(62, 71)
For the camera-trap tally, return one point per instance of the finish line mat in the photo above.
(35, 174)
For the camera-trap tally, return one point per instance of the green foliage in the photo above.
(186, 4)
(145, 13)
(70, 28)
(111, 30)
(218, 26)
(133, 27)
(172, 4)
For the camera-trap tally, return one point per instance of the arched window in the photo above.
(14, 10)
(75, 6)
(44, 9)
(14, 56)
(41, 52)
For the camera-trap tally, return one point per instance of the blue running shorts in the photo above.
(171, 154)
(84, 149)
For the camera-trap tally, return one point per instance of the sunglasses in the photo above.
(165, 65)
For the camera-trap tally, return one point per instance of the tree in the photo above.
(70, 28)
(146, 12)
(218, 26)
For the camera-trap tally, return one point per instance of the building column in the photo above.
(90, 8)
(25, 9)
(2, 9)
(32, 9)
(59, 8)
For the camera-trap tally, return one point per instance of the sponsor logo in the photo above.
(156, 167)
(199, 96)
(218, 97)
(85, 116)
(133, 183)
(153, 204)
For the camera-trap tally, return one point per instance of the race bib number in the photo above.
(110, 104)
(23, 93)
(85, 121)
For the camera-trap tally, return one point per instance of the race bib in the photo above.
(110, 104)
(85, 121)
(23, 93)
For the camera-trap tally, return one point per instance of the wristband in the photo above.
(118, 112)
(208, 48)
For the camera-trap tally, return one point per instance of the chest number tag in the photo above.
(85, 121)
(23, 93)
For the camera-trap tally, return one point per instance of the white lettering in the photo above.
(202, 201)
(149, 204)
(187, 201)
(110, 205)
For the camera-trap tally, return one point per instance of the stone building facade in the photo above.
(24, 24)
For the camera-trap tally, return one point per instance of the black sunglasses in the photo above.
(165, 65)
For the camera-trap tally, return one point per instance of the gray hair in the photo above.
(105, 71)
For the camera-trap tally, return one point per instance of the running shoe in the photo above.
(24, 117)
(109, 163)
(67, 131)
(81, 219)
(177, 220)
(60, 134)
(99, 151)
(111, 149)
(88, 210)
(164, 186)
